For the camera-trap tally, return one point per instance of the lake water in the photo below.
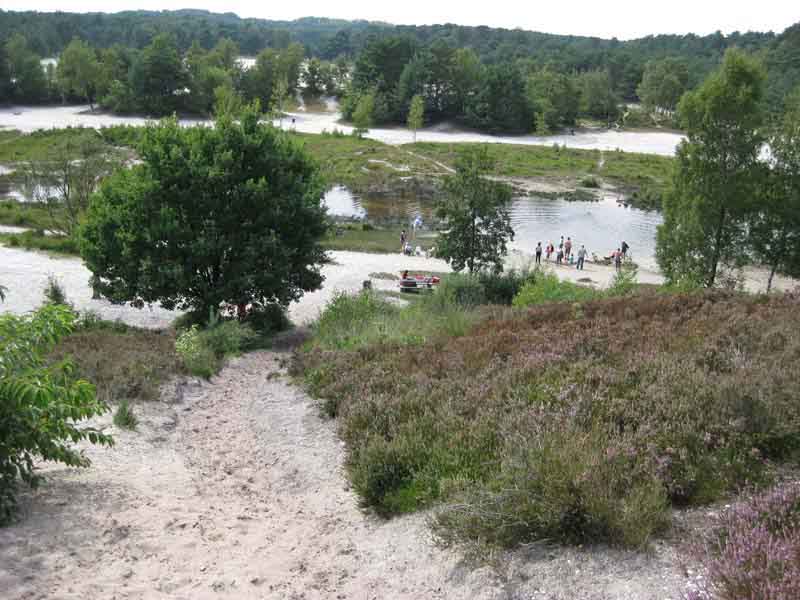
(33, 118)
(600, 226)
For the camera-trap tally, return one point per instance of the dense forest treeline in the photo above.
(491, 79)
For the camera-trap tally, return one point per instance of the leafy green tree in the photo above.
(416, 115)
(157, 77)
(663, 84)
(500, 106)
(259, 82)
(280, 94)
(78, 71)
(467, 73)
(289, 62)
(5, 76)
(478, 215)
(598, 99)
(363, 115)
(313, 78)
(717, 169)
(41, 402)
(774, 228)
(554, 100)
(229, 214)
(227, 102)
(29, 83)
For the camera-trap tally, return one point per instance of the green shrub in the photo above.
(54, 292)
(547, 287)
(227, 338)
(198, 357)
(590, 182)
(267, 320)
(41, 403)
(348, 318)
(624, 282)
(502, 288)
(124, 417)
(458, 289)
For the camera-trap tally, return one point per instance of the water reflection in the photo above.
(600, 226)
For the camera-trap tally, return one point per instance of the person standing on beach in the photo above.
(403, 241)
(618, 259)
(568, 247)
(581, 257)
(539, 253)
(561, 244)
(560, 255)
(548, 251)
(624, 247)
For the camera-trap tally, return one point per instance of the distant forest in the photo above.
(528, 73)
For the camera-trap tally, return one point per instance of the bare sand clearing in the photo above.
(25, 275)
(235, 489)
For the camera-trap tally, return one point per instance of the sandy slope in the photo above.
(235, 489)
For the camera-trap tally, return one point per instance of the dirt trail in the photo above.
(234, 491)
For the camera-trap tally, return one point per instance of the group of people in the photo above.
(405, 245)
(564, 253)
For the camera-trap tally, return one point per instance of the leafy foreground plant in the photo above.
(754, 552)
(40, 403)
(578, 422)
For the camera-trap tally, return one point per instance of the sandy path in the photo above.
(235, 489)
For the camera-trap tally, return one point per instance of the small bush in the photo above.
(502, 288)
(198, 357)
(124, 417)
(754, 552)
(459, 289)
(624, 282)
(547, 287)
(54, 292)
(347, 319)
(227, 338)
(267, 320)
(590, 182)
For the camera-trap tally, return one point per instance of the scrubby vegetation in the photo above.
(580, 418)
(204, 350)
(122, 362)
(754, 550)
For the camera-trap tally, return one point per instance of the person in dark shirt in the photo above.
(539, 253)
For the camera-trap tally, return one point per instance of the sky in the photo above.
(623, 19)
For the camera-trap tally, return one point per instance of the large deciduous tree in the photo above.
(477, 212)
(78, 71)
(774, 228)
(663, 84)
(716, 174)
(157, 76)
(230, 214)
(28, 80)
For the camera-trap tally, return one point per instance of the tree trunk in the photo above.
(716, 253)
(771, 275)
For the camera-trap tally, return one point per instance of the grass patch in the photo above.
(124, 418)
(355, 238)
(24, 214)
(582, 420)
(37, 240)
(16, 146)
(203, 351)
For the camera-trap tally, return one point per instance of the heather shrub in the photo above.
(122, 362)
(547, 287)
(124, 417)
(754, 551)
(578, 421)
